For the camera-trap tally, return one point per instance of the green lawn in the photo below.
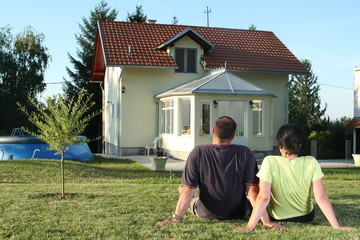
(120, 199)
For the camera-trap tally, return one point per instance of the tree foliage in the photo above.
(137, 16)
(252, 27)
(304, 101)
(59, 122)
(80, 74)
(23, 60)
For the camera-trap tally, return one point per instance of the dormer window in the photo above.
(185, 59)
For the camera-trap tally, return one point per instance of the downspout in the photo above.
(286, 104)
(157, 118)
(102, 117)
(119, 113)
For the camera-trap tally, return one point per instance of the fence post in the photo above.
(347, 149)
(314, 148)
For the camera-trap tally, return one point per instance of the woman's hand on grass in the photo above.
(346, 228)
(168, 221)
(243, 229)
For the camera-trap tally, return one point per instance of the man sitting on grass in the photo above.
(224, 173)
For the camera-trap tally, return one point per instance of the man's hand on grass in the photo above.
(168, 221)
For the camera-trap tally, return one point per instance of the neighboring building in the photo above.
(355, 122)
(174, 81)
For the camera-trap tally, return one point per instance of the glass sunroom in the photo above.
(188, 112)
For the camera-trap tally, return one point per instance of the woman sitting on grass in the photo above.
(286, 181)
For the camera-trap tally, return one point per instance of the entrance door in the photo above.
(237, 110)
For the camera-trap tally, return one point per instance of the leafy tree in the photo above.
(59, 122)
(23, 60)
(137, 16)
(80, 75)
(331, 139)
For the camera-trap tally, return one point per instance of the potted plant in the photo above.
(158, 163)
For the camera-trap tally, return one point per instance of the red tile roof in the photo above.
(245, 50)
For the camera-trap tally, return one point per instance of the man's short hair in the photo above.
(225, 128)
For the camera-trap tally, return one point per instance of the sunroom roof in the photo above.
(217, 82)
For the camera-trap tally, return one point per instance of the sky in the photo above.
(324, 32)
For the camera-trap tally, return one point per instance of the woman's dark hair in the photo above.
(290, 138)
(225, 128)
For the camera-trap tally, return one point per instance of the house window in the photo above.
(185, 59)
(184, 117)
(205, 117)
(257, 108)
(167, 117)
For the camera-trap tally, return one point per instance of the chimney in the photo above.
(149, 21)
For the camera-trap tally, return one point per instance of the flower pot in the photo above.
(356, 159)
(158, 163)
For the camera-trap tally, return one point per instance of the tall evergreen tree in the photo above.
(304, 101)
(80, 75)
(137, 16)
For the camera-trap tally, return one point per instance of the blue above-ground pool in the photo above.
(27, 147)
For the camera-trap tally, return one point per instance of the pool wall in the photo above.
(27, 147)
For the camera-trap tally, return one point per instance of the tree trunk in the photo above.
(62, 176)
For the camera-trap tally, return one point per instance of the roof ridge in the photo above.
(187, 26)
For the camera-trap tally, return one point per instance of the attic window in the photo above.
(185, 59)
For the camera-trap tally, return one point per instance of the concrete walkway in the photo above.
(178, 165)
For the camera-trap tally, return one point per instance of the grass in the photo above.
(120, 199)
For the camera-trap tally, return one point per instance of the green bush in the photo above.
(331, 139)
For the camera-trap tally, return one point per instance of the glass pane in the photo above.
(257, 117)
(185, 116)
(205, 119)
(223, 108)
(191, 60)
(179, 59)
(239, 117)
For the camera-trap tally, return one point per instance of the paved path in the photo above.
(178, 165)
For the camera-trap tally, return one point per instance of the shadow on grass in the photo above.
(95, 171)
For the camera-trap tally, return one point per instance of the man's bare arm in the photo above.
(182, 205)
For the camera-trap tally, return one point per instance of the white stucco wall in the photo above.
(112, 103)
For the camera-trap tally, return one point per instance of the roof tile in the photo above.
(246, 50)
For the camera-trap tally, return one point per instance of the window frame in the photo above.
(258, 108)
(182, 130)
(164, 110)
(185, 63)
(204, 102)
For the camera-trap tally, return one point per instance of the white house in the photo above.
(174, 81)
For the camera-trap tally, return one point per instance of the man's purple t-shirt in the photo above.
(221, 173)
